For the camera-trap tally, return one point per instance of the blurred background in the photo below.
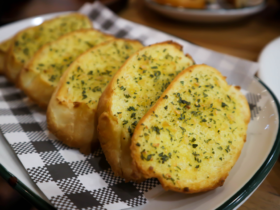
(13, 10)
(11, 199)
(244, 38)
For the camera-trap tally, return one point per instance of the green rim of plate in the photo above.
(263, 171)
(231, 203)
(24, 191)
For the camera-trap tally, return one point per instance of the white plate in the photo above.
(257, 158)
(206, 15)
(269, 61)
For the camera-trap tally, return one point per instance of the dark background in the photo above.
(13, 10)
(11, 199)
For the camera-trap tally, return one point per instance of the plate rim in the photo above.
(234, 201)
(265, 168)
(23, 190)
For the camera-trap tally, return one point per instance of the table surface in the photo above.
(244, 39)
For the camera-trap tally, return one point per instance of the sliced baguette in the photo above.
(194, 134)
(28, 41)
(4, 46)
(129, 95)
(39, 78)
(71, 114)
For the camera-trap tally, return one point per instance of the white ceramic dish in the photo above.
(206, 15)
(270, 66)
(246, 176)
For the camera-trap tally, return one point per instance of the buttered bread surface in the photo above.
(42, 74)
(71, 113)
(193, 136)
(143, 80)
(89, 75)
(28, 41)
(134, 89)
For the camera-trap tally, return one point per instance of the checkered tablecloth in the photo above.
(69, 179)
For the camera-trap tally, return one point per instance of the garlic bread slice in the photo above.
(130, 94)
(4, 46)
(28, 41)
(39, 78)
(194, 134)
(71, 114)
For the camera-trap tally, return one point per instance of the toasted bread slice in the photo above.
(39, 78)
(4, 46)
(193, 4)
(28, 41)
(130, 94)
(194, 134)
(71, 114)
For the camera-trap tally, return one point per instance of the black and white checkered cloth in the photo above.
(69, 179)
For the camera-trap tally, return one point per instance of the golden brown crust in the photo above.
(193, 4)
(43, 89)
(72, 120)
(2, 62)
(12, 65)
(108, 128)
(108, 122)
(245, 108)
(104, 123)
(71, 126)
(110, 134)
(206, 184)
(114, 139)
(4, 47)
(190, 57)
(71, 134)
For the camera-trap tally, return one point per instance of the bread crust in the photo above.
(2, 61)
(12, 65)
(110, 135)
(4, 47)
(72, 126)
(194, 187)
(113, 138)
(31, 82)
(74, 122)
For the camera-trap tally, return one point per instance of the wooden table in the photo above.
(244, 39)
